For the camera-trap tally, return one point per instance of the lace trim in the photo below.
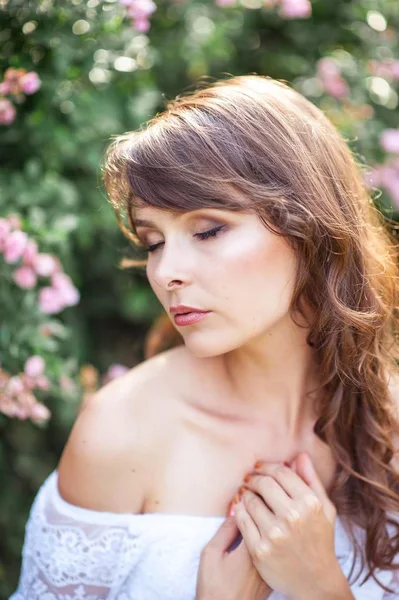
(86, 557)
(75, 561)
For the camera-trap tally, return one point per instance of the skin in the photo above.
(191, 422)
(253, 342)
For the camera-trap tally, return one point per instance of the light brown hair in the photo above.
(252, 142)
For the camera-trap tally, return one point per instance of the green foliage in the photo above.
(99, 78)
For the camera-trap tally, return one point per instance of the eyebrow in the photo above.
(148, 223)
(142, 223)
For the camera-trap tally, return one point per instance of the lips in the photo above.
(190, 318)
(182, 309)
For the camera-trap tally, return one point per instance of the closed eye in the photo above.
(202, 236)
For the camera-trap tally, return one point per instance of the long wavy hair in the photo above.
(259, 137)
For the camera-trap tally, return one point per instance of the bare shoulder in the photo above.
(118, 435)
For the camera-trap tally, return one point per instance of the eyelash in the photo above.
(202, 236)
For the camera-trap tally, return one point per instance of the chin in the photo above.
(202, 346)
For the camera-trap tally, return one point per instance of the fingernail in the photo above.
(248, 478)
(286, 463)
(230, 508)
(241, 491)
(258, 464)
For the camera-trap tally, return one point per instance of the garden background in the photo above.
(75, 73)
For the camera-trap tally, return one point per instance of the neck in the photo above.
(272, 379)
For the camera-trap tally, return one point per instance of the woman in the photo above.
(267, 254)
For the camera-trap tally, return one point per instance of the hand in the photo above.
(287, 523)
(228, 576)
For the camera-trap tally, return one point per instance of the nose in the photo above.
(172, 269)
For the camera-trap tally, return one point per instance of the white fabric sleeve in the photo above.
(394, 585)
(370, 589)
(72, 553)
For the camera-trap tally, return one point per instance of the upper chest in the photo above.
(203, 459)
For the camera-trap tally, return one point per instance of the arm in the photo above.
(336, 589)
(101, 467)
(78, 543)
(72, 553)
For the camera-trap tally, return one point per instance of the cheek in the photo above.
(257, 272)
(257, 259)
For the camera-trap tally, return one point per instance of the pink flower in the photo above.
(331, 78)
(142, 25)
(40, 413)
(26, 402)
(50, 301)
(388, 68)
(14, 246)
(63, 284)
(7, 112)
(5, 229)
(45, 264)
(372, 178)
(225, 2)
(5, 88)
(337, 88)
(21, 413)
(389, 140)
(327, 68)
(30, 253)
(114, 371)
(43, 382)
(139, 9)
(60, 281)
(8, 406)
(30, 82)
(295, 9)
(390, 180)
(15, 386)
(34, 366)
(70, 296)
(29, 382)
(395, 69)
(25, 278)
(14, 221)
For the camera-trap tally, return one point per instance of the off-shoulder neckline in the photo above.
(50, 496)
(139, 519)
(52, 483)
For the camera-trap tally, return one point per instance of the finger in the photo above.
(290, 481)
(224, 536)
(239, 555)
(265, 521)
(307, 472)
(272, 493)
(248, 529)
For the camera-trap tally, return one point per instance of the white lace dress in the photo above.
(72, 553)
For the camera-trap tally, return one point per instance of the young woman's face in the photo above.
(239, 271)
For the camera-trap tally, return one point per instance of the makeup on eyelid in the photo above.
(204, 235)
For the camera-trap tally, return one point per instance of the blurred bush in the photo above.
(73, 74)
